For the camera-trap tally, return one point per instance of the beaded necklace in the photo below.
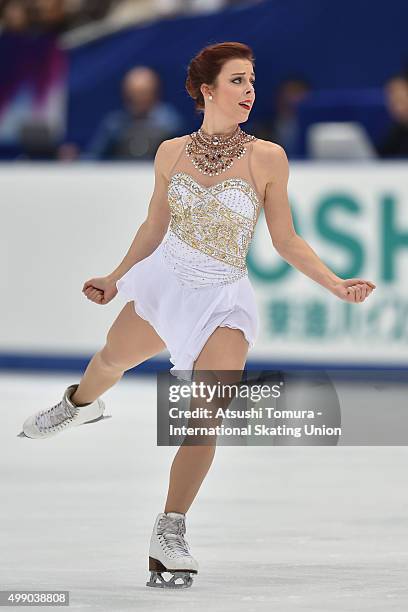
(214, 153)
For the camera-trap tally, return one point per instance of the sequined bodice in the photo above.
(210, 229)
(217, 220)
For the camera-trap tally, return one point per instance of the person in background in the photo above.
(282, 127)
(56, 16)
(136, 131)
(33, 16)
(395, 142)
(14, 16)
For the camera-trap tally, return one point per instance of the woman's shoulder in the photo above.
(172, 146)
(270, 160)
(174, 143)
(267, 148)
(169, 151)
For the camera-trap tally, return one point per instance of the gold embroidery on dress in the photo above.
(205, 223)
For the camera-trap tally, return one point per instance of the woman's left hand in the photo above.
(353, 289)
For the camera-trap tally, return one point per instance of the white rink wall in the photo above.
(65, 223)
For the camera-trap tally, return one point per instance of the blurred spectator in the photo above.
(51, 15)
(38, 140)
(100, 16)
(48, 15)
(136, 131)
(43, 15)
(395, 143)
(282, 127)
(14, 15)
(89, 10)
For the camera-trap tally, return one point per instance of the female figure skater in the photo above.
(185, 276)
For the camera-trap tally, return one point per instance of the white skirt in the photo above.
(185, 316)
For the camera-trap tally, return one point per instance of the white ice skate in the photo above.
(169, 552)
(65, 414)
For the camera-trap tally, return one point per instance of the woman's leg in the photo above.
(226, 349)
(130, 341)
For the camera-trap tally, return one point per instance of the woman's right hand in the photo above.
(100, 290)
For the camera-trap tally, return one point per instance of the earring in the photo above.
(210, 97)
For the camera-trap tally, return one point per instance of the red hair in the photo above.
(207, 64)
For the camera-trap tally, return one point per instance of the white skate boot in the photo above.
(65, 414)
(169, 552)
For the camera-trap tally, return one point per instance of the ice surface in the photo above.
(273, 528)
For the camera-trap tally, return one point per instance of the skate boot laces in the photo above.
(172, 530)
(55, 418)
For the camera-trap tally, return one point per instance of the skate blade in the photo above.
(157, 580)
(104, 416)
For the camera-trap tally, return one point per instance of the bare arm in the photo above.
(152, 231)
(292, 247)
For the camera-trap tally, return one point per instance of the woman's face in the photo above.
(234, 85)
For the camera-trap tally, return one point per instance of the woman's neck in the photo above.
(216, 130)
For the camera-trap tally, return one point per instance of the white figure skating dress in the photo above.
(197, 278)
